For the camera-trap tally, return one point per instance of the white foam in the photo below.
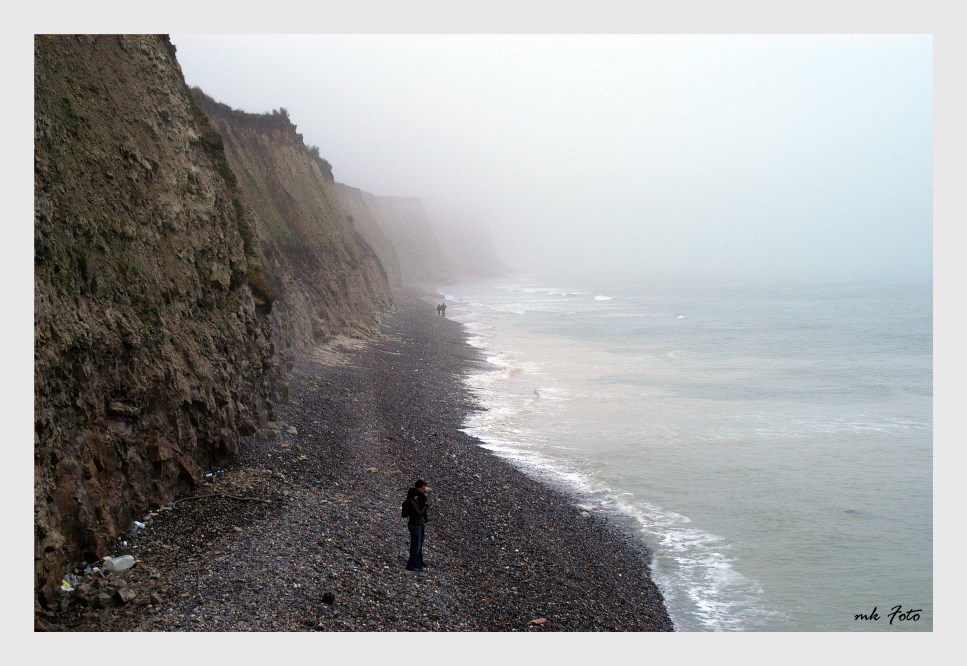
(608, 376)
(695, 574)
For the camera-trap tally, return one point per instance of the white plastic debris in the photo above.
(118, 563)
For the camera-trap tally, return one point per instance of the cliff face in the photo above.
(174, 274)
(360, 209)
(325, 277)
(467, 246)
(411, 233)
(152, 353)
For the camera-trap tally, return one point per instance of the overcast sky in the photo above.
(790, 156)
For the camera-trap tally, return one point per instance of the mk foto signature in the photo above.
(896, 613)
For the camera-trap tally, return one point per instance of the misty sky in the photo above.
(789, 156)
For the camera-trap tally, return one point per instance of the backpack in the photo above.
(405, 509)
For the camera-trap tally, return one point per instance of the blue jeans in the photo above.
(417, 534)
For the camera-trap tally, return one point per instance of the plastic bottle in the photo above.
(119, 563)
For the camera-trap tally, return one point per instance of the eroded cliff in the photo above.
(175, 272)
(325, 276)
(360, 210)
(409, 229)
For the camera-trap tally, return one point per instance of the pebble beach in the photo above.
(302, 530)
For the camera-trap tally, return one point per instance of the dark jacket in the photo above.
(418, 509)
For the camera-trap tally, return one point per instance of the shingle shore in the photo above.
(304, 532)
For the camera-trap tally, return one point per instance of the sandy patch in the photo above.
(337, 350)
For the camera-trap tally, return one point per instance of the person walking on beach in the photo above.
(439, 309)
(416, 522)
(443, 309)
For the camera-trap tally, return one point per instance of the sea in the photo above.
(770, 442)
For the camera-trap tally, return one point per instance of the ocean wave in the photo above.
(611, 374)
(529, 460)
(550, 291)
(697, 578)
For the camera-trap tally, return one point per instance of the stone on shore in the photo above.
(285, 531)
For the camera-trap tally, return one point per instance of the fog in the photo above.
(782, 156)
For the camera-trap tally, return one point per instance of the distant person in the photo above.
(439, 309)
(416, 506)
(443, 309)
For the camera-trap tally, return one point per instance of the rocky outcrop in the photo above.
(325, 277)
(417, 247)
(152, 342)
(360, 210)
(175, 273)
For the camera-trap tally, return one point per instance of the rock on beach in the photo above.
(302, 531)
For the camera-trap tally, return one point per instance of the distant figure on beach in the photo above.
(443, 309)
(416, 523)
(439, 309)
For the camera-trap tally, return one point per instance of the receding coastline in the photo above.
(306, 533)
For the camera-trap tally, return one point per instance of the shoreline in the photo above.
(302, 531)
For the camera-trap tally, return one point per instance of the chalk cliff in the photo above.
(184, 253)
(325, 276)
(434, 245)
(175, 273)
(411, 232)
(466, 245)
(360, 209)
